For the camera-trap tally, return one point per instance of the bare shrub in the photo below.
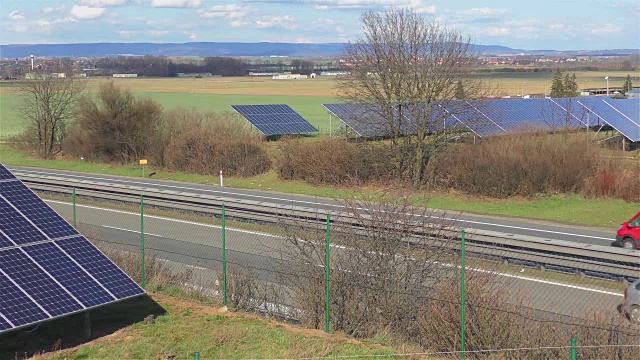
(114, 126)
(206, 145)
(523, 164)
(496, 320)
(614, 180)
(157, 272)
(333, 162)
(382, 262)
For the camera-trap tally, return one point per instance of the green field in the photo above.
(304, 96)
(10, 123)
(309, 107)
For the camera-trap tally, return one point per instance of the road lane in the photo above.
(198, 245)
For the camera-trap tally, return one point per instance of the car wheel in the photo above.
(629, 244)
(634, 315)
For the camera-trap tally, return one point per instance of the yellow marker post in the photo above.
(143, 162)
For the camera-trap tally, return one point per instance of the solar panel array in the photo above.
(497, 117)
(274, 119)
(48, 269)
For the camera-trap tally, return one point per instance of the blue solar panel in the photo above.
(69, 274)
(100, 267)
(5, 174)
(47, 269)
(369, 120)
(35, 282)
(606, 111)
(40, 214)
(16, 227)
(16, 306)
(274, 119)
(4, 324)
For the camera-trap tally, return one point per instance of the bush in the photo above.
(115, 126)
(334, 162)
(524, 164)
(206, 145)
(614, 181)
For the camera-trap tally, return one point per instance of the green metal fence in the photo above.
(330, 275)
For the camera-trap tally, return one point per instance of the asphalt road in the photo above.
(540, 229)
(198, 246)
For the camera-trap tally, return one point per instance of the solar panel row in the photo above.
(274, 119)
(496, 117)
(47, 269)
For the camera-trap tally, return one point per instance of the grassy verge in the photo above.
(571, 209)
(189, 326)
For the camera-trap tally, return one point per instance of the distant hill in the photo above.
(233, 49)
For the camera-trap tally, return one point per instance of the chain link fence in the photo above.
(378, 269)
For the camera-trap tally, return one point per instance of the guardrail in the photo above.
(557, 255)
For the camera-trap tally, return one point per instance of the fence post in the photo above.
(462, 296)
(73, 196)
(327, 270)
(196, 356)
(574, 354)
(224, 260)
(142, 238)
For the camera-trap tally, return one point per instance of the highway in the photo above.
(516, 226)
(198, 246)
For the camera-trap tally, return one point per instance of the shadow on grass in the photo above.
(68, 332)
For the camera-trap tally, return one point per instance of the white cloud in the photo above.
(419, 7)
(157, 33)
(285, 21)
(193, 36)
(102, 3)
(496, 31)
(126, 33)
(229, 11)
(606, 29)
(176, 3)
(556, 27)
(16, 15)
(81, 12)
(52, 9)
(482, 14)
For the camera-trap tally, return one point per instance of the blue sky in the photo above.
(542, 24)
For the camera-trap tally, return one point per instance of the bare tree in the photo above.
(409, 67)
(48, 103)
(385, 257)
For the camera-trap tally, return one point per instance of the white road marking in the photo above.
(133, 231)
(525, 278)
(316, 204)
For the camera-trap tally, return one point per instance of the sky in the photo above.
(530, 25)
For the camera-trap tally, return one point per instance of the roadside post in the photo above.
(143, 162)
(221, 181)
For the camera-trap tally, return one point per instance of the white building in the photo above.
(288, 77)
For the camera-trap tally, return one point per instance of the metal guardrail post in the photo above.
(327, 277)
(462, 296)
(142, 239)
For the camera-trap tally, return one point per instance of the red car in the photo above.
(629, 233)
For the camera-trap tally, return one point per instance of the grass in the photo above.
(304, 96)
(189, 326)
(568, 209)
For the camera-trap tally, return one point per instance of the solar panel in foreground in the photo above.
(276, 119)
(47, 269)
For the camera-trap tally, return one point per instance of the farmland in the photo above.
(304, 96)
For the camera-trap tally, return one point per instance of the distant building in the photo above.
(195, 75)
(313, 75)
(125, 75)
(633, 94)
(334, 73)
(251, 73)
(288, 77)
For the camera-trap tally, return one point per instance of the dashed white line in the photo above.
(525, 278)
